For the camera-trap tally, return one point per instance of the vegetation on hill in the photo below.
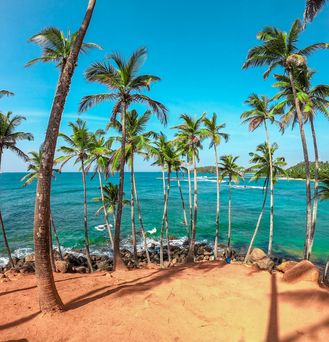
(298, 170)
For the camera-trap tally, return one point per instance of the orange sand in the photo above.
(204, 302)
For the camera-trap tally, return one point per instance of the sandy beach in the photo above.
(203, 302)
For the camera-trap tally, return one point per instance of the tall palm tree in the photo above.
(229, 168)
(137, 143)
(9, 138)
(56, 47)
(215, 134)
(126, 87)
(49, 299)
(32, 175)
(79, 144)
(99, 155)
(312, 8)
(261, 112)
(191, 133)
(279, 48)
(313, 100)
(265, 166)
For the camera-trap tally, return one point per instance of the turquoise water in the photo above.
(17, 206)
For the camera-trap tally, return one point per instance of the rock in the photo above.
(256, 255)
(30, 258)
(286, 266)
(28, 267)
(302, 271)
(70, 259)
(62, 266)
(166, 264)
(80, 269)
(104, 266)
(265, 264)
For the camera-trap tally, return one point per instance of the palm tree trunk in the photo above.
(190, 256)
(11, 262)
(85, 215)
(316, 182)
(163, 216)
(217, 204)
(52, 258)
(325, 274)
(257, 226)
(49, 299)
(132, 207)
(141, 220)
(106, 216)
(183, 205)
(229, 213)
(118, 263)
(270, 241)
(167, 223)
(307, 245)
(56, 236)
(190, 197)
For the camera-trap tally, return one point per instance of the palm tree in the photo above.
(49, 299)
(100, 153)
(279, 49)
(126, 87)
(229, 168)
(262, 111)
(191, 133)
(265, 166)
(56, 47)
(32, 175)
(215, 134)
(313, 100)
(312, 8)
(78, 147)
(137, 143)
(162, 152)
(9, 138)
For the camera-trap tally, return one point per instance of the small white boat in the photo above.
(152, 231)
(102, 227)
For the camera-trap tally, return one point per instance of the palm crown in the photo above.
(56, 47)
(121, 77)
(229, 168)
(279, 49)
(261, 161)
(214, 131)
(9, 136)
(261, 110)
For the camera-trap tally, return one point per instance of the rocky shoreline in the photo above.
(75, 263)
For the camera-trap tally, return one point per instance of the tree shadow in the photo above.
(19, 321)
(136, 285)
(273, 323)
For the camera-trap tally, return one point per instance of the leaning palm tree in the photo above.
(126, 86)
(191, 134)
(99, 155)
(49, 299)
(266, 167)
(312, 8)
(279, 48)
(215, 134)
(229, 168)
(138, 143)
(32, 175)
(313, 101)
(56, 47)
(79, 144)
(261, 112)
(9, 138)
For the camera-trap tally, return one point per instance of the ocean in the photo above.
(17, 205)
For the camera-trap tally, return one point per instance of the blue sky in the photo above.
(197, 48)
